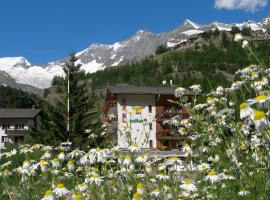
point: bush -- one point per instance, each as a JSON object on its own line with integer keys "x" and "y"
{"x": 161, "y": 49}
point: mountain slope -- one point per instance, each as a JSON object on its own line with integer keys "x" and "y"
{"x": 101, "y": 56}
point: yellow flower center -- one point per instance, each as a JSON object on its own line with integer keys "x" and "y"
{"x": 261, "y": 97}
{"x": 209, "y": 98}
{"x": 212, "y": 173}
{"x": 186, "y": 145}
{"x": 140, "y": 186}
{"x": 137, "y": 195}
{"x": 78, "y": 197}
{"x": 157, "y": 190}
{"x": 253, "y": 73}
{"x": 243, "y": 105}
{"x": 188, "y": 181}
{"x": 61, "y": 185}
{"x": 264, "y": 79}
{"x": 175, "y": 159}
{"x": 48, "y": 193}
{"x": 70, "y": 162}
{"x": 258, "y": 115}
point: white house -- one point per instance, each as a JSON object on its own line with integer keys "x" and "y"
{"x": 14, "y": 124}
{"x": 139, "y": 113}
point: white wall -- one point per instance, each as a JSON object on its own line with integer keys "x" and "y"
{"x": 136, "y": 123}
{"x": 12, "y": 123}
{"x": 2, "y": 133}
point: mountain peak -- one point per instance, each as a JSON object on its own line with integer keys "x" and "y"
{"x": 189, "y": 23}
{"x": 266, "y": 21}
{"x": 15, "y": 62}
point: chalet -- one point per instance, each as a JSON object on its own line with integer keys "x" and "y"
{"x": 14, "y": 124}
{"x": 137, "y": 115}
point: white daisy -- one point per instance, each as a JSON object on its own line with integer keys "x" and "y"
{"x": 162, "y": 176}
{"x": 243, "y": 192}
{"x": 127, "y": 160}
{"x": 70, "y": 165}
{"x": 137, "y": 196}
{"x": 47, "y": 155}
{"x": 238, "y": 37}
{"x": 134, "y": 148}
{"x": 179, "y": 92}
{"x": 155, "y": 193}
{"x": 196, "y": 88}
{"x": 245, "y": 43}
{"x": 203, "y": 167}
{"x": 188, "y": 186}
{"x": 61, "y": 156}
{"x": 94, "y": 179}
{"x": 55, "y": 163}
{"x": 140, "y": 188}
{"x": 245, "y": 110}
{"x": 213, "y": 177}
{"x": 48, "y": 195}
{"x": 60, "y": 190}
{"x": 259, "y": 119}
{"x": 44, "y": 165}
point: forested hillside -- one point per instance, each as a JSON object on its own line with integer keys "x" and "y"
{"x": 14, "y": 98}
{"x": 209, "y": 61}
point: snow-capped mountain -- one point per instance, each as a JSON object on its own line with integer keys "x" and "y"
{"x": 100, "y": 56}
{"x": 23, "y": 72}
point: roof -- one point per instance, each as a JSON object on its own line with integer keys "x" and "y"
{"x": 127, "y": 89}
{"x": 18, "y": 113}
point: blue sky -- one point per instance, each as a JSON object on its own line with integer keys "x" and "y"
{"x": 47, "y": 30}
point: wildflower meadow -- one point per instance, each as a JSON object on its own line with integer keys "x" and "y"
{"x": 226, "y": 154}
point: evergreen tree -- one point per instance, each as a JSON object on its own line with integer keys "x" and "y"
{"x": 83, "y": 115}
{"x": 246, "y": 31}
{"x": 161, "y": 49}
{"x": 235, "y": 30}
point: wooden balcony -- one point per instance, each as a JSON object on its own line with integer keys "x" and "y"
{"x": 168, "y": 115}
{"x": 16, "y": 132}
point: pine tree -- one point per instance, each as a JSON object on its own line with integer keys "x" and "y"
{"x": 83, "y": 114}
{"x": 84, "y": 119}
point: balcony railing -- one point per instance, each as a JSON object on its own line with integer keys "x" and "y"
{"x": 17, "y": 132}
{"x": 168, "y": 115}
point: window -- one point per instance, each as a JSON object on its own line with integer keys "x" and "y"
{"x": 124, "y": 117}
{"x": 151, "y": 143}
{"x": 4, "y": 139}
{"x": 150, "y": 108}
{"x": 19, "y": 126}
{"x": 5, "y": 126}
{"x": 150, "y": 126}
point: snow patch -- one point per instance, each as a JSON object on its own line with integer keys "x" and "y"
{"x": 92, "y": 66}
{"x": 116, "y": 63}
{"x": 171, "y": 44}
{"x": 192, "y": 24}
{"x": 192, "y": 32}
{"x": 81, "y": 52}
{"x": 113, "y": 56}
{"x": 13, "y": 61}
{"x": 116, "y": 46}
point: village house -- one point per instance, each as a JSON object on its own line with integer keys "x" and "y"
{"x": 14, "y": 124}
{"x": 136, "y": 115}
